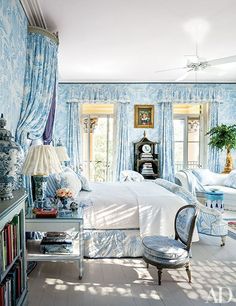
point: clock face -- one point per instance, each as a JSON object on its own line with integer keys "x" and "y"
{"x": 146, "y": 148}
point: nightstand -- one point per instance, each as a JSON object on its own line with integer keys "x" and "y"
{"x": 72, "y": 222}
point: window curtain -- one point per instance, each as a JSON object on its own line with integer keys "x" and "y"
{"x": 74, "y": 135}
{"x": 213, "y": 153}
{"x": 48, "y": 131}
{"x": 122, "y": 139}
{"x": 41, "y": 69}
{"x": 166, "y": 139}
{"x": 40, "y": 75}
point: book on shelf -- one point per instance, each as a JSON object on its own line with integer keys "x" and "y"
{"x": 10, "y": 243}
{"x": 13, "y": 285}
{"x": 147, "y": 169}
{"x": 146, "y": 156}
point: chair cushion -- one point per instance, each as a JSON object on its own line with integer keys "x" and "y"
{"x": 164, "y": 248}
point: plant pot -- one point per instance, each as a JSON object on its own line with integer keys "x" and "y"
{"x": 229, "y": 162}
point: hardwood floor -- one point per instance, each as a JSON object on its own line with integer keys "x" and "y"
{"x": 117, "y": 282}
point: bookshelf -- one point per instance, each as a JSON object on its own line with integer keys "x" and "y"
{"x": 13, "y": 279}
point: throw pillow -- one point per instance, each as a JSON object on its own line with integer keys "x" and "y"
{"x": 131, "y": 176}
{"x": 207, "y": 177}
{"x": 84, "y": 182}
{"x": 230, "y": 181}
{"x": 69, "y": 179}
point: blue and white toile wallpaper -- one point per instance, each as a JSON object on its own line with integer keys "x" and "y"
{"x": 13, "y": 35}
{"x": 139, "y": 93}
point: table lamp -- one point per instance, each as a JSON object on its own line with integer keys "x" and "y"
{"x": 61, "y": 153}
{"x": 41, "y": 160}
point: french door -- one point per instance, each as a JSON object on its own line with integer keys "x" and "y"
{"x": 98, "y": 147}
{"x": 187, "y": 141}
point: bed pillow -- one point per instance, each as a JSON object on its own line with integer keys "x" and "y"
{"x": 84, "y": 182}
{"x": 131, "y": 176}
{"x": 69, "y": 179}
{"x": 53, "y": 183}
{"x": 230, "y": 181}
{"x": 206, "y": 177}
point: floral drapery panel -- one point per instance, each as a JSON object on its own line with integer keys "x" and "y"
{"x": 41, "y": 69}
{"x": 40, "y": 75}
{"x": 213, "y": 153}
{"x": 74, "y": 135}
{"x": 166, "y": 139}
{"x": 122, "y": 139}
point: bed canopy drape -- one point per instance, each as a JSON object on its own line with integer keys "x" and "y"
{"x": 40, "y": 75}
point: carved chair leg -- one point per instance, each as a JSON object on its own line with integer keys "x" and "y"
{"x": 147, "y": 265}
{"x": 159, "y": 276}
{"x": 223, "y": 239}
{"x": 188, "y": 273}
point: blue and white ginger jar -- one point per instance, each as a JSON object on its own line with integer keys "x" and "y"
{"x": 10, "y": 161}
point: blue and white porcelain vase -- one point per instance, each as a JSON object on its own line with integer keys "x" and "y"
{"x": 10, "y": 155}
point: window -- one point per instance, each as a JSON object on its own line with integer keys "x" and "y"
{"x": 97, "y": 120}
{"x": 188, "y": 133}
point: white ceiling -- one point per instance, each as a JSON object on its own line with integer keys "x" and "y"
{"x": 128, "y": 40}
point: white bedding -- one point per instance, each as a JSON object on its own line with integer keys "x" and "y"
{"x": 127, "y": 205}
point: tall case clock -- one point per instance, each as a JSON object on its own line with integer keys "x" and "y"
{"x": 146, "y": 158}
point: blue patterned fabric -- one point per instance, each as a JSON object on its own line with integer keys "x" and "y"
{"x": 40, "y": 74}
{"x": 52, "y": 185}
{"x": 178, "y": 190}
{"x": 122, "y": 139}
{"x": 210, "y": 222}
{"x": 169, "y": 262}
{"x": 184, "y": 221}
{"x": 74, "y": 143}
{"x": 41, "y": 69}
{"x": 164, "y": 247}
{"x": 112, "y": 243}
{"x": 213, "y": 153}
{"x": 230, "y": 181}
{"x": 13, "y": 36}
{"x": 166, "y": 141}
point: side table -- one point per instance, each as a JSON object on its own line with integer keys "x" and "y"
{"x": 63, "y": 222}
{"x": 214, "y": 199}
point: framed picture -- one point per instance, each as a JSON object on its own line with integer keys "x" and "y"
{"x": 144, "y": 116}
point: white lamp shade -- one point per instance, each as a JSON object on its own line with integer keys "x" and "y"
{"x": 41, "y": 160}
{"x": 62, "y": 154}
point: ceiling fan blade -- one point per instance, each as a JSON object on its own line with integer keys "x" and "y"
{"x": 223, "y": 60}
{"x": 182, "y": 77}
{"x": 171, "y": 69}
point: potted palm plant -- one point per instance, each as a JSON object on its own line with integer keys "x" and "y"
{"x": 224, "y": 137}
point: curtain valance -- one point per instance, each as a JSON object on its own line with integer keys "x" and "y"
{"x": 91, "y": 93}
{"x": 155, "y": 93}
{"x": 190, "y": 94}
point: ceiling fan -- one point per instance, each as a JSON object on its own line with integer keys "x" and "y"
{"x": 199, "y": 64}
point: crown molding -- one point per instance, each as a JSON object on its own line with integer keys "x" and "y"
{"x": 34, "y": 13}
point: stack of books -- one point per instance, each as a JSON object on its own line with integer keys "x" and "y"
{"x": 56, "y": 243}
{"x": 146, "y": 156}
{"x": 147, "y": 169}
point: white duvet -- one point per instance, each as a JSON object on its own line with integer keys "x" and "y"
{"x": 130, "y": 205}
